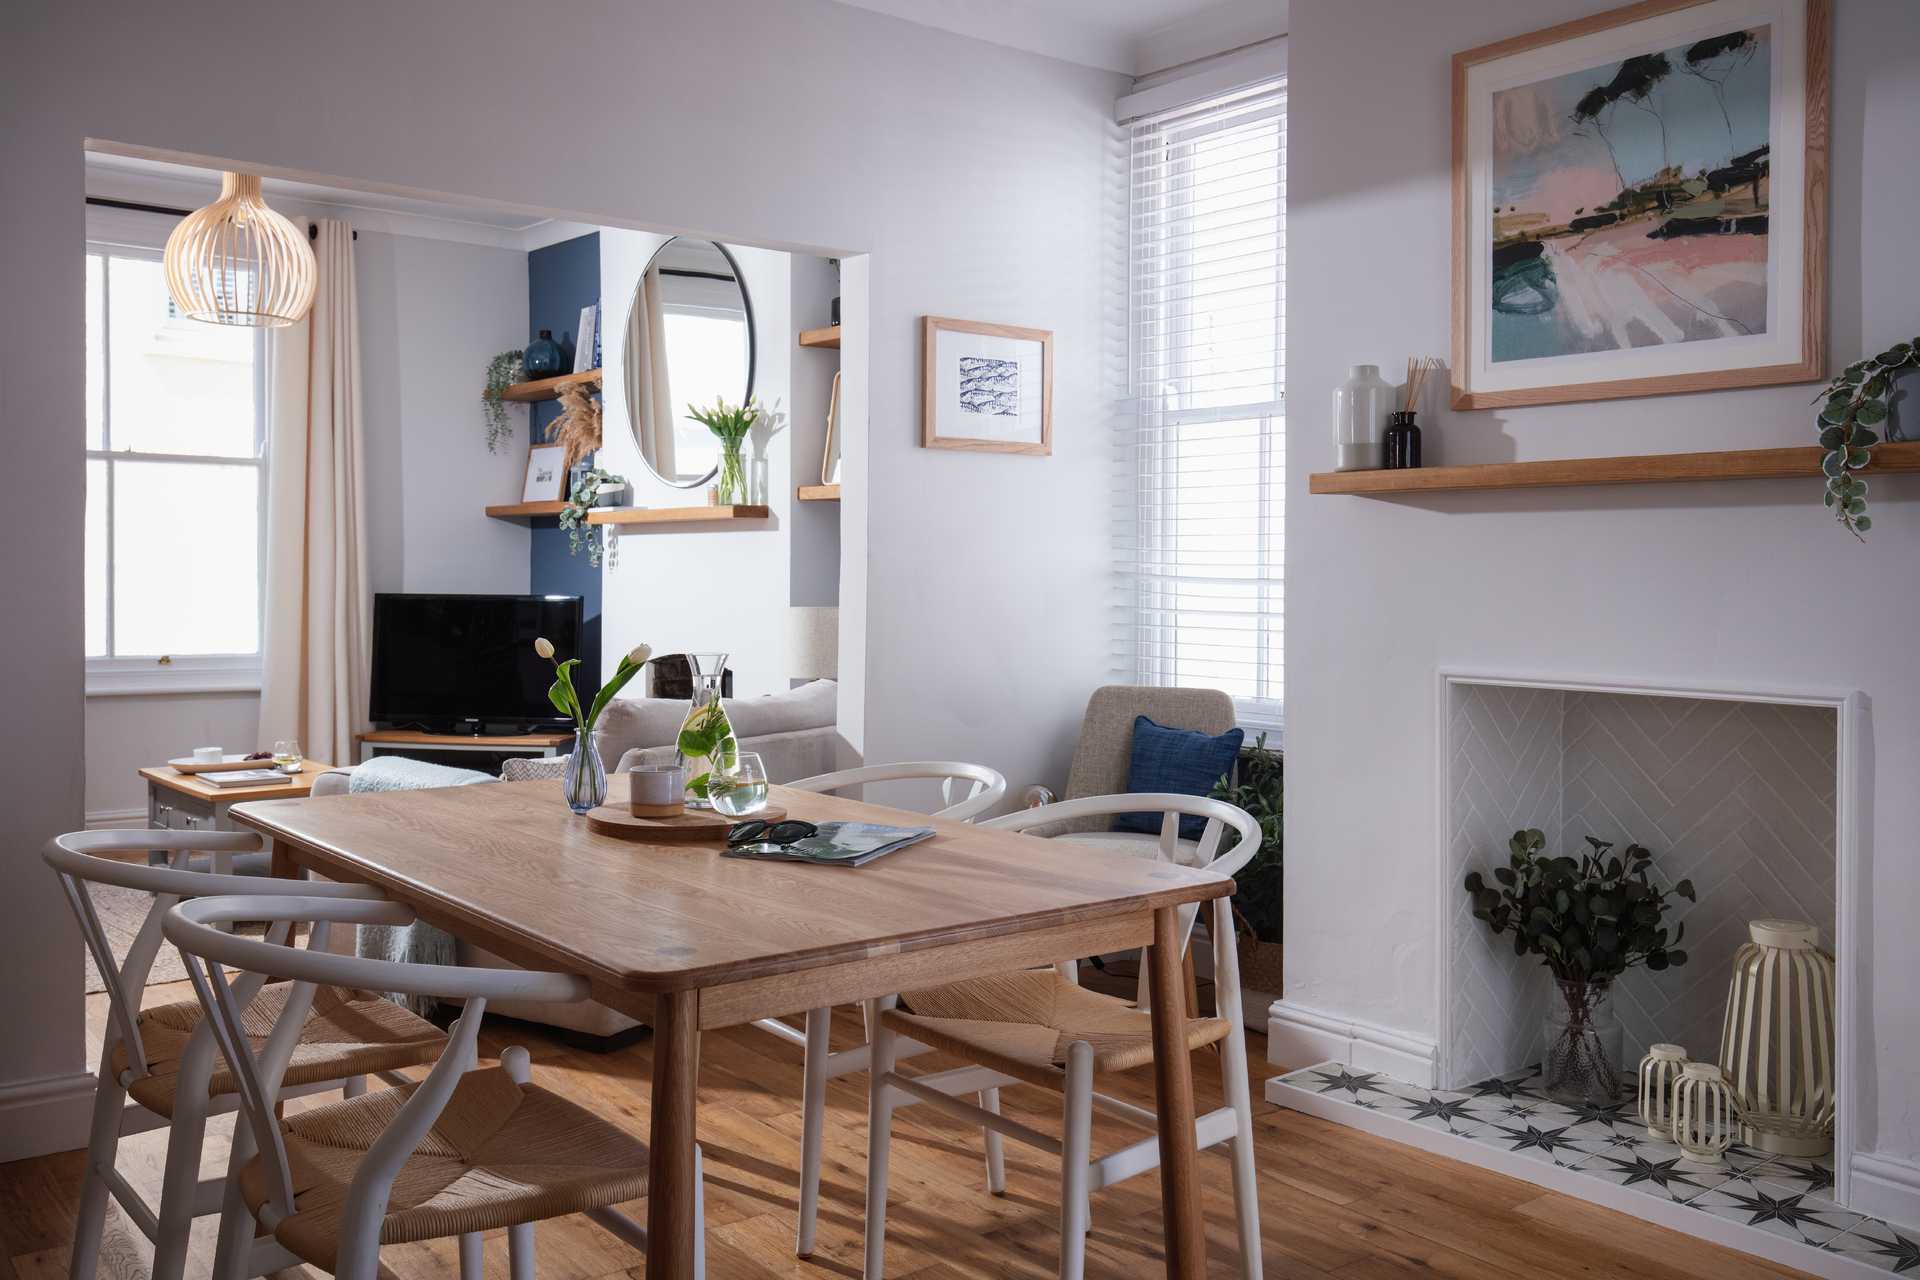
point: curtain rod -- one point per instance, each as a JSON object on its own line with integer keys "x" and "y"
{"x": 134, "y": 206}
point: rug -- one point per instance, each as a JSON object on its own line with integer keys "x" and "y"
{"x": 122, "y": 912}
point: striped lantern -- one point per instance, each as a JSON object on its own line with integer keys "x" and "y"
{"x": 1704, "y": 1118}
{"x": 1658, "y": 1071}
{"x": 238, "y": 262}
{"x": 1777, "y": 1047}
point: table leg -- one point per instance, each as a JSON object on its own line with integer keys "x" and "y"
{"x": 283, "y": 865}
{"x": 672, "y": 1182}
{"x": 1173, "y": 1083}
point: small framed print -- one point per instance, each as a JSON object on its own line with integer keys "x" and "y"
{"x": 986, "y": 387}
{"x": 546, "y": 474}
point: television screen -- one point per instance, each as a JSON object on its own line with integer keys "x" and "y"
{"x": 442, "y": 659}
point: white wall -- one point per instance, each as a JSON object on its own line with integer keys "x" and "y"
{"x": 698, "y": 589}
{"x": 1738, "y": 583}
{"x": 814, "y": 540}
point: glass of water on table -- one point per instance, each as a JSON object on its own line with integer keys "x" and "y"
{"x": 739, "y": 789}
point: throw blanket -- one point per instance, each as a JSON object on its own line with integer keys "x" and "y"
{"x": 412, "y": 943}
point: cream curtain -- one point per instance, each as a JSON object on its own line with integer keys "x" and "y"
{"x": 316, "y": 636}
{"x": 649, "y": 394}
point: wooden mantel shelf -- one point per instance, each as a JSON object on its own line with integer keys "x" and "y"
{"x": 526, "y": 512}
{"x": 819, "y": 493}
{"x": 1657, "y": 468}
{"x": 627, "y": 516}
{"x": 549, "y": 388}
{"x": 828, "y": 337}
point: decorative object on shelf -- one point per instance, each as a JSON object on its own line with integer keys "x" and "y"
{"x": 1403, "y": 437}
{"x": 1856, "y": 403}
{"x": 503, "y": 371}
{"x": 577, "y": 429}
{"x": 546, "y": 474}
{"x": 706, "y": 740}
{"x": 729, "y": 425}
{"x": 543, "y": 357}
{"x": 585, "y": 782}
{"x": 586, "y": 339}
{"x": 656, "y": 791}
{"x": 1777, "y": 1045}
{"x": 829, "y": 451}
{"x": 1589, "y": 920}
{"x": 1705, "y": 1113}
{"x": 238, "y": 262}
{"x": 1616, "y": 231}
{"x": 1360, "y": 407}
{"x": 586, "y": 494}
{"x": 1659, "y": 1070}
{"x": 1258, "y": 786}
{"x": 689, "y": 339}
{"x": 985, "y": 387}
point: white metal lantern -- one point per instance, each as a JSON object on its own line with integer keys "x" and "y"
{"x": 1777, "y": 1047}
{"x": 1658, "y": 1072}
{"x": 1704, "y": 1112}
{"x": 238, "y": 262}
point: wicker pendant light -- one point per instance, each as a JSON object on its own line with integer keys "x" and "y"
{"x": 238, "y": 262}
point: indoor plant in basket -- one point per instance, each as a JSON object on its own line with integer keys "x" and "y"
{"x": 585, "y": 782}
{"x": 1590, "y": 919}
{"x": 1258, "y": 789}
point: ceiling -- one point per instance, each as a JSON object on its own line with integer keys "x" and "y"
{"x": 1133, "y": 37}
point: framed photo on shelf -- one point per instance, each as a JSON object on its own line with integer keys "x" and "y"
{"x": 1639, "y": 204}
{"x": 546, "y": 474}
{"x": 986, "y": 387}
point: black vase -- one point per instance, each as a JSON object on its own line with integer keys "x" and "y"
{"x": 542, "y": 357}
{"x": 1402, "y": 442}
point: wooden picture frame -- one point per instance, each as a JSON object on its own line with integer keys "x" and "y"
{"x": 979, "y": 384}
{"x": 1583, "y": 338}
{"x": 546, "y": 474}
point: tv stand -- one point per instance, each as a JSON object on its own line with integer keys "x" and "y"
{"x": 468, "y": 750}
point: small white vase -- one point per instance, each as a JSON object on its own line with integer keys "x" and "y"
{"x": 1360, "y": 408}
{"x": 1704, "y": 1115}
{"x": 1658, "y": 1072}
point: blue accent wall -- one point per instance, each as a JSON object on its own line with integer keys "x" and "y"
{"x": 561, "y": 279}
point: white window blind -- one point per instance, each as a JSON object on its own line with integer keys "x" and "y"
{"x": 1203, "y": 447}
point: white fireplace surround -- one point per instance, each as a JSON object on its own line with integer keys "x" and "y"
{"x": 1455, "y": 687}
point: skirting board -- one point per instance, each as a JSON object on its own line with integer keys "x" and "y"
{"x": 1886, "y": 1187}
{"x": 117, "y": 819}
{"x": 1298, "y": 1036}
{"x": 47, "y": 1114}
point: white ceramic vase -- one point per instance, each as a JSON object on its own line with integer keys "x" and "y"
{"x": 1659, "y": 1071}
{"x": 1360, "y": 408}
{"x": 1777, "y": 1045}
{"x": 1704, "y": 1114}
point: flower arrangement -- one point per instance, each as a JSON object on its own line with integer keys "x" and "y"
{"x": 730, "y": 425}
{"x": 585, "y": 781}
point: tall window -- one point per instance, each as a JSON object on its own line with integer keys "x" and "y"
{"x": 1204, "y": 446}
{"x": 175, "y": 486}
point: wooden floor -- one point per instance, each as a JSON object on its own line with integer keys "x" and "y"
{"x": 1334, "y": 1202}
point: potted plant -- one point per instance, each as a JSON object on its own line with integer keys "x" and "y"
{"x": 503, "y": 371}
{"x": 730, "y": 425}
{"x": 585, "y": 783}
{"x": 1590, "y": 919}
{"x": 1259, "y": 790}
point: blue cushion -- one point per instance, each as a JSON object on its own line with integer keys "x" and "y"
{"x": 1182, "y": 761}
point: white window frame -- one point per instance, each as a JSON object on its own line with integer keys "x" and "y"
{"x": 115, "y": 233}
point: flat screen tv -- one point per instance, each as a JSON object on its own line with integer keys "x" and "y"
{"x": 459, "y": 661}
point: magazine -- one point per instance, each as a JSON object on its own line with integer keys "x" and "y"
{"x": 838, "y": 844}
{"x": 244, "y": 778}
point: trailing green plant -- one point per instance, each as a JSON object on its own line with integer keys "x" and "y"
{"x": 503, "y": 371}
{"x": 730, "y": 425}
{"x": 1258, "y": 787}
{"x": 573, "y": 516}
{"x": 1589, "y": 918}
{"x": 1856, "y": 403}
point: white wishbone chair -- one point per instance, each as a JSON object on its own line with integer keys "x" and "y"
{"x": 466, "y": 1150}
{"x": 160, "y": 1066}
{"x": 1041, "y": 1027}
{"x": 984, "y": 787}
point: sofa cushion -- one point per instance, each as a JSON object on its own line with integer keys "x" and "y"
{"x": 629, "y": 724}
{"x": 1179, "y": 761}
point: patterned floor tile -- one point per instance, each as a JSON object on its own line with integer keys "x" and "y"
{"x": 1352, "y": 1086}
{"x": 1445, "y": 1110}
{"x": 1541, "y": 1140}
{"x": 1879, "y": 1245}
{"x": 1648, "y": 1169}
{"x": 1778, "y": 1208}
{"x": 1813, "y": 1177}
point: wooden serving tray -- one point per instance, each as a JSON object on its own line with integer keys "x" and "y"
{"x": 187, "y": 764}
{"x": 695, "y": 826}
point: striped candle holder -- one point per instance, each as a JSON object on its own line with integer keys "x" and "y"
{"x": 1777, "y": 1047}
{"x": 1704, "y": 1113}
{"x": 1658, "y": 1072}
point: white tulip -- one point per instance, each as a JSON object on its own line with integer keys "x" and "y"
{"x": 544, "y": 647}
{"x": 640, "y": 654}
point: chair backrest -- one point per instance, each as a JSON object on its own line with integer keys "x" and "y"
{"x": 670, "y": 675}
{"x": 197, "y": 929}
{"x": 529, "y": 768}
{"x": 1104, "y": 754}
{"x": 83, "y": 858}
{"x": 984, "y": 786}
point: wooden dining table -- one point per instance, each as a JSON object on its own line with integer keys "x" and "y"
{"x": 687, "y": 940}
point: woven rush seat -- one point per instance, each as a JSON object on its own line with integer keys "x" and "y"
{"x": 348, "y": 1033}
{"x": 500, "y": 1154}
{"x": 1023, "y": 1023}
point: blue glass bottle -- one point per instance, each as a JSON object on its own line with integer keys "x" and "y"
{"x": 543, "y": 357}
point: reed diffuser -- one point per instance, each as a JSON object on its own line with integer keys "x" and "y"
{"x": 1403, "y": 437}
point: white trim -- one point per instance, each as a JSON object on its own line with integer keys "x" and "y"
{"x": 45, "y": 1114}
{"x": 1298, "y": 1035}
{"x": 1224, "y": 74}
{"x": 1848, "y": 706}
{"x": 117, "y": 819}
{"x": 124, "y": 677}
{"x": 1886, "y": 1187}
{"x": 1223, "y": 27}
{"x": 1655, "y": 1209}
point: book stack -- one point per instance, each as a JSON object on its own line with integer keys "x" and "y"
{"x": 245, "y": 778}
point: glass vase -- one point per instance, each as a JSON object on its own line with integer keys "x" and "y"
{"x": 585, "y": 783}
{"x": 706, "y": 740}
{"x": 1581, "y": 1063}
{"x": 731, "y": 485}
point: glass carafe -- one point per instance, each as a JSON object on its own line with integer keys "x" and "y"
{"x": 706, "y": 739}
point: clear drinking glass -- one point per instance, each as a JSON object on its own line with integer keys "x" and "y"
{"x": 286, "y": 755}
{"x": 739, "y": 790}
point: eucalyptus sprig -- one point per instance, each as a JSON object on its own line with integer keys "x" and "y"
{"x": 503, "y": 371}
{"x": 573, "y": 516}
{"x": 1856, "y": 403}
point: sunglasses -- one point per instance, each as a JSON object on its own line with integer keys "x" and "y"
{"x": 759, "y": 831}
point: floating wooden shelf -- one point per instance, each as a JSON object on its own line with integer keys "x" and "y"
{"x": 526, "y": 512}
{"x": 548, "y": 388}
{"x": 675, "y": 515}
{"x": 819, "y": 493}
{"x": 827, "y": 337}
{"x": 1656, "y": 468}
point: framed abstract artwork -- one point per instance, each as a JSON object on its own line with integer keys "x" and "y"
{"x": 1639, "y": 204}
{"x": 986, "y": 387}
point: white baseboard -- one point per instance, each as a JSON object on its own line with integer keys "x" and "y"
{"x": 1886, "y": 1187}
{"x": 1298, "y": 1036}
{"x": 116, "y": 819}
{"x": 46, "y": 1114}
